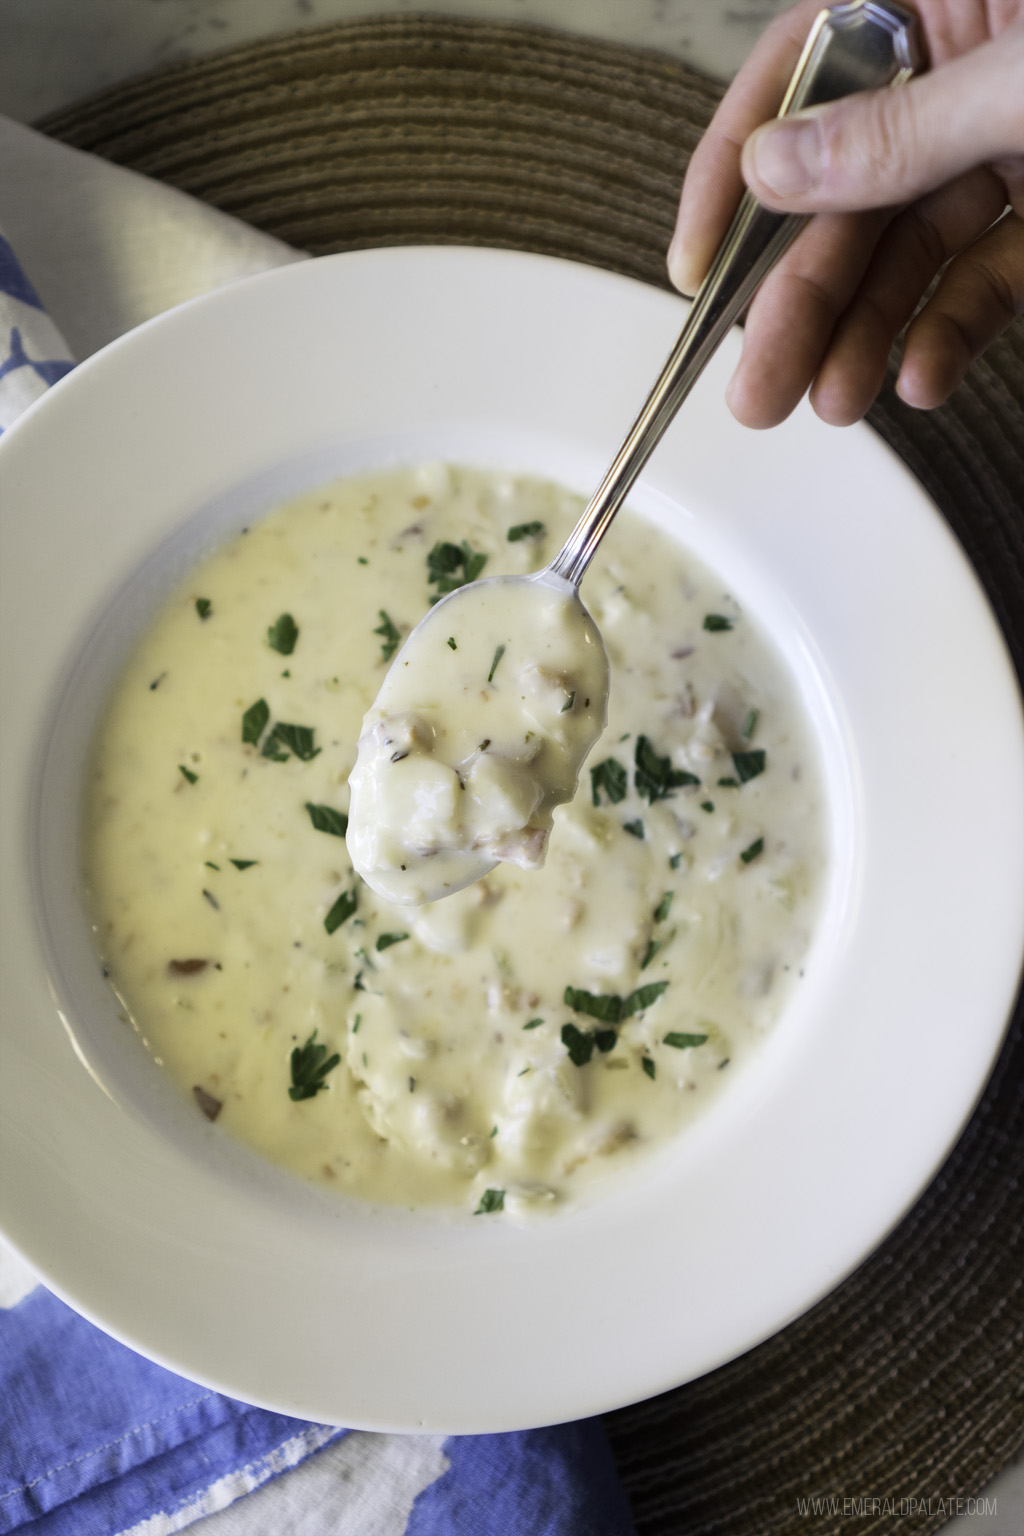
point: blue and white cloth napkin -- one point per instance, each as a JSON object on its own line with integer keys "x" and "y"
{"x": 94, "y": 1439}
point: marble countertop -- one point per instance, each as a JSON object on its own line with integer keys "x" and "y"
{"x": 57, "y": 51}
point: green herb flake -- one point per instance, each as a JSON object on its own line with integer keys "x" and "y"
{"x": 612, "y": 778}
{"x": 664, "y": 907}
{"x": 634, "y": 828}
{"x": 653, "y": 776}
{"x": 451, "y": 643}
{"x": 387, "y": 939}
{"x": 649, "y": 953}
{"x": 728, "y": 783}
{"x": 749, "y": 764}
{"x": 310, "y": 1068}
{"x": 211, "y": 865}
{"x": 490, "y": 1200}
{"x": 285, "y": 739}
{"x": 342, "y": 910}
{"x": 716, "y": 621}
{"x": 282, "y": 634}
{"x": 355, "y": 1026}
{"x": 606, "y": 1006}
{"x": 254, "y": 721}
{"x": 707, "y": 805}
{"x": 204, "y": 607}
{"x": 570, "y": 701}
{"x": 675, "y": 860}
{"x": 391, "y": 638}
{"x": 450, "y": 566}
{"x": 605, "y": 1039}
{"x": 750, "y": 724}
{"x": 193, "y": 778}
{"x": 524, "y": 531}
{"x": 243, "y": 863}
{"x": 499, "y": 652}
{"x": 326, "y": 819}
{"x": 649, "y": 1067}
{"x": 580, "y": 1045}
{"x": 750, "y": 854}
{"x": 362, "y": 560}
{"x": 682, "y": 1041}
{"x": 533, "y": 1024}
{"x": 642, "y": 998}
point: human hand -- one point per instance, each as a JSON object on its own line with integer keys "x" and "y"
{"x": 903, "y": 181}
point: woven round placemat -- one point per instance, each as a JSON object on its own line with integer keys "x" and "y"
{"x": 904, "y": 1389}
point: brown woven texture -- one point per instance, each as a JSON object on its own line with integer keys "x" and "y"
{"x": 906, "y": 1383}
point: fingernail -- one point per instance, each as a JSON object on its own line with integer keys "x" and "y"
{"x": 786, "y": 156}
{"x": 682, "y": 271}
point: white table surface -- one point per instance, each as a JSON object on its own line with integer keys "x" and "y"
{"x": 53, "y": 53}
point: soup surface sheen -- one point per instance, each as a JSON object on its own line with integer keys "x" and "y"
{"x": 498, "y": 1050}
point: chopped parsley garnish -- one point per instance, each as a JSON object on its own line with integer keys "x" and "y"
{"x": 254, "y": 721}
{"x": 707, "y": 805}
{"x": 570, "y": 701}
{"x": 749, "y": 764}
{"x": 750, "y": 725}
{"x": 243, "y": 863}
{"x": 634, "y": 828}
{"x": 342, "y": 910}
{"x": 716, "y": 621}
{"x": 675, "y": 860}
{"x": 683, "y": 1041}
{"x": 285, "y": 739}
{"x": 451, "y": 642}
{"x": 649, "y": 1067}
{"x": 282, "y": 634}
{"x": 326, "y": 819}
{"x": 499, "y": 652}
{"x": 664, "y": 907}
{"x": 579, "y": 1045}
{"x": 391, "y": 637}
{"x": 728, "y": 783}
{"x": 355, "y": 1026}
{"x": 211, "y": 898}
{"x": 642, "y": 998}
{"x": 611, "y": 777}
{"x": 524, "y": 531}
{"x": 203, "y": 607}
{"x": 362, "y": 560}
{"x": 654, "y": 776}
{"x": 606, "y": 1006}
{"x": 652, "y": 949}
{"x": 387, "y": 939}
{"x": 211, "y": 865}
{"x": 309, "y": 1068}
{"x": 193, "y": 778}
{"x": 490, "y": 1200}
{"x": 533, "y": 1023}
{"x": 749, "y": 854}
{"x": 450, "y": 566}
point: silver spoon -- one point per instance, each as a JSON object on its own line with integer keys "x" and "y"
{"x": 854, "y": 47}
{"x": 421, "y": 752}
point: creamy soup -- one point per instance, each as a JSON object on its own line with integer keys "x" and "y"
{"x": 478, "y": 733}
{"x": 499, "y": 1050}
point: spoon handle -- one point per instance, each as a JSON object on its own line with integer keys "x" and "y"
{"x": 857, "y": 46}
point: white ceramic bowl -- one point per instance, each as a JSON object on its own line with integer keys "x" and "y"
{"x": 193, "y": 1251}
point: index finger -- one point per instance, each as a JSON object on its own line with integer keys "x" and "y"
{"x": 714, "y": 184}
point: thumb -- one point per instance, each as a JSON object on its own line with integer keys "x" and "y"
{"x": 887, "y": 147}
